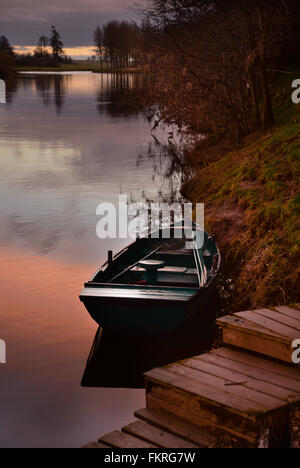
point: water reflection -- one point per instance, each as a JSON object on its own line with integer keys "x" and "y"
{"x": 113, "y": 93}
{"x": 68, "y": 142}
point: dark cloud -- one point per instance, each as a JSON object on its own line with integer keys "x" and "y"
{"x": 24, "y": 21}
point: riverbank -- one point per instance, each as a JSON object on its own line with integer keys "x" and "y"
{"x": 88, "y": 67}
{"x": 251, "y": 192}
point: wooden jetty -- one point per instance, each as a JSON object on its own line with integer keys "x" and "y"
{"x": 244, "y": 394}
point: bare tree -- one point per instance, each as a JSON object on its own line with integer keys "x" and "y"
{"x": 209, "y": 62}
{"x": 99, "y": 45}
{"x": 43, "y": 43}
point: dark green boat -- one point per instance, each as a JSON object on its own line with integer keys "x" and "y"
{"x": 156, "y": 284}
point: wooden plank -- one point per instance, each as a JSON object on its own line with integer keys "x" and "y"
{"x": 261, "y": 363}
{"x": 276, "y": 327}
{"x": 157, "y": 436}
{"x": 96, "y": 445}
{"x": 238, "y": 378}
{"x": 259, "y": 344}
{"x": 248, "y": 369}
{"x": 119, "y": 439}
{"x": 281, "y": 318}
{"x": 238, "y": 323}
{"x": 177, "y": 426}
{"x": 220, "y": 417}
{"x": 269, "y": 402}
{"x": 188, "y": 410}
{"x": 289, "y": 312}
{"x": 213, "y": 396}
{"x": 295, "y": 428}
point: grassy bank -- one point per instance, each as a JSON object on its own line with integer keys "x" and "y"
{"x": 252, "y": 202}
{"x": 83, "y": 67}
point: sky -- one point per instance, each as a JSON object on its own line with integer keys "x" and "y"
{"x": 24, "y": 21}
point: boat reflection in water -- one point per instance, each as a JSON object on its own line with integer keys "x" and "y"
{"x": 155, "y": 302}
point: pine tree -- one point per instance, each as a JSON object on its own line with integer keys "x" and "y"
{"x": 5, "y": 46}
{"x": 56, "y": 44}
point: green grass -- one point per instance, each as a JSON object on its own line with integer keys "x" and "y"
{"x": 252, "y": 198}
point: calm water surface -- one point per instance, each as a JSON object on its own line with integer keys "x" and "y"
{"x": 67, "y": 143}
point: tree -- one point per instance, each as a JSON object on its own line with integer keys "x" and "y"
{"x": 6, "y": 65}
{"x": 43, "y": 43}
{"x": 56, "y": 44}
{"x": 6, "y": 47}
{"x": 99, "y": 44}
{"x": 120, "y": 41}
{"x": 209, "y": 62}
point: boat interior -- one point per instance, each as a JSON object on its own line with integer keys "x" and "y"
{"x": 159, "y": 262}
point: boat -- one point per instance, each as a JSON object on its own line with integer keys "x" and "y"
{"x": 158, "y": 285}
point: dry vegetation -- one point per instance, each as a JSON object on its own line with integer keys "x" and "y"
{"x": 222, "y": 70}
{"x": 252, "y": 201}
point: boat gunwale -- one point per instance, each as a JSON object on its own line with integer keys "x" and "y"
{"x": 95, "y": 285}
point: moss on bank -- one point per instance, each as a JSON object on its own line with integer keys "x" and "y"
{"x": 252, "y": 202}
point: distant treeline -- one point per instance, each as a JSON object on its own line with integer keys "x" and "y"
{"x": 6, "y": 58}
{"x": 48, "y": 53}
{"x": 117, "y": 44}
{"x": 210, "y": 64}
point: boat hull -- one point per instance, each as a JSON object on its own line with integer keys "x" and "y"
{"x": 119, "y": 357}
{"x": 146, "y": 314}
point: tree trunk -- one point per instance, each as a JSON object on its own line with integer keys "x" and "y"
{"x": 268, "y": 116}
{"x": 255, "y": 99}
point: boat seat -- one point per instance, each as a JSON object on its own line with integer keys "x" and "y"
{"x": 169, "y": 275}
{"x": 152, "y": 267}
{"x": 165, "y": 269}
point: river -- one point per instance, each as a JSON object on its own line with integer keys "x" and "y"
{"x": 67, "y": 143}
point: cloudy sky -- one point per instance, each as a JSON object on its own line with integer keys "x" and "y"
{"x": 24, "y": 21}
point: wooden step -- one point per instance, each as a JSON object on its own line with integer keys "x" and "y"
{"x": 118, "y": 439}
{"x": 202, "y": 437}
{"x": 157, "y": 436}
{"x": 232, "y": 395}
{"x": 264, "y": 331}
{"x": 96, "y": 445}
{"x": 178, "y": 427}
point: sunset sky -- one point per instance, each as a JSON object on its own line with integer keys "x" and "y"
{"x": 24, "y": 21}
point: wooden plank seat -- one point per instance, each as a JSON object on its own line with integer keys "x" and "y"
{"x": 181, "y": 276}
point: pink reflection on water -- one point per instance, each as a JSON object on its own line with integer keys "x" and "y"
{"x": 48, "y": 335}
